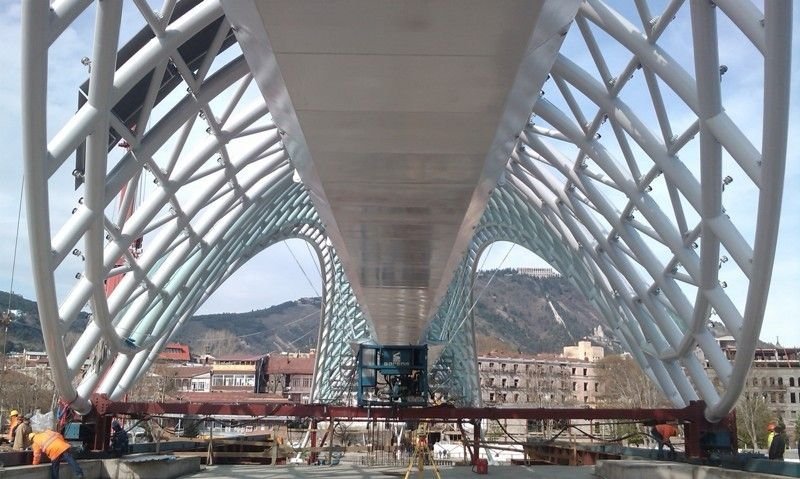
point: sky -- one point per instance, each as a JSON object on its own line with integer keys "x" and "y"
{"x": 289, "y": 269}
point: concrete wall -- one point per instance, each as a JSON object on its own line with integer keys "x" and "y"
{"x": 91, "y": 469}
{"x": 142, "y": 467}
{"x": 671, "y": 470}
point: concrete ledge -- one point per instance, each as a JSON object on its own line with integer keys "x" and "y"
{"x": 149, "y": 466}
{"x": 91, "y": 469}
{"x": 671, "y": 470}
{"x": 131, "y": 467}
{"x": 784, "y": 468}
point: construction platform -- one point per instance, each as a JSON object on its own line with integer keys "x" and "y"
{"x": 603, "y": 470}
{"x": 189, "y": 468}
{"x": 352, "y": 471}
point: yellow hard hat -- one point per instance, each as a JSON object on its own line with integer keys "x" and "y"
{"x": 30, "y": 436}
{"x": 13, "y": 413}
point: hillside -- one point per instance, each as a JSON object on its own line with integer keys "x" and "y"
{"x": 515, "y": 314}
{"x": 523, "y": 314}
{"x": 26, "y": 332}
{"x": 283, "y": 327}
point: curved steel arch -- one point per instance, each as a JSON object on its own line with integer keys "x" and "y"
{"x": 649, "y": 260}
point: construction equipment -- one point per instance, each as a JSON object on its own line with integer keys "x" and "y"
{"x": 422, "y": 453}
{"x": 392, "y": 375}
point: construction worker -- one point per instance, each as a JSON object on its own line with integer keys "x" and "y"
{"x": 119, "y": 439}
{"x": 662, "y": 434}
{"x": 13, "y": 422}
{"x": 56, "y": 448}
{"x": 21, "y": 441}
{"x": 778, "y": 444}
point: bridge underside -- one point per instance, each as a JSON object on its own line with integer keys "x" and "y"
{"x": 409, "y": 107}
{"x": 400, "y": 143}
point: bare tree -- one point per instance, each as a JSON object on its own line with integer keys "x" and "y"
{"x": 26, "y": 391}
{"x": 752, "y": 417}
{"x": 622, "y": 384}
{"x": 156, "y": 386}
{"x": 548, "y": 385}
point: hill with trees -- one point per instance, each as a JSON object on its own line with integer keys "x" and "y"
{"x": 515, "y": 314}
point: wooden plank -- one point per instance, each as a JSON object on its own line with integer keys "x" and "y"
{"x": 189, "y": 453}
{"x": 244, "y": 443}
{"x": 235, "y": 442}
{"x": 262, "y": 454}
{"x": 323, "y": 449}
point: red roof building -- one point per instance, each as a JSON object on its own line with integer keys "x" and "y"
{"x": 290, "y": 365}
{"x": 175, "y": 353}
{"x": 289, "y": 375}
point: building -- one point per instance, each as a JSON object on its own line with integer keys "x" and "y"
{"x": 569, "y": 379}
{"x": 539, "y": 272}
{"x": 523, "y": 381}
{"x": 28, "y": 359}
{"x": 545, "y": 380}
{"x": 236, "y": 372}
{"x": 273, "y": 377}
{"x": 175, "y": 353}
{"x": 584, "y": 351}
{"x": 191, "y": 378}
{"x": 774, "y": 378}
{"x": 289, "y": 375}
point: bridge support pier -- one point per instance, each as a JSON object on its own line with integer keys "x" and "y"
{"x": 476, "y": 442}
{"x": 703, "y": 438}
{"x": 102, "y": 432}
{"x": 312, "y": 456}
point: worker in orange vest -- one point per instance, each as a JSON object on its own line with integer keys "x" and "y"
{"x": 13, "y": 422}
{"x": 56, "y": 448}
{"x": 662, "y": 434}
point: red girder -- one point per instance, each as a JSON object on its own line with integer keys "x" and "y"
{"x": 693, "y": 412}
{"x": 691, "y": 416}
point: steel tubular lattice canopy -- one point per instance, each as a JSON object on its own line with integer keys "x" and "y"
{"x": 400, "y": 141}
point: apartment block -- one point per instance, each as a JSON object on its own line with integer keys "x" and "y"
{"x": 569, "y": 379}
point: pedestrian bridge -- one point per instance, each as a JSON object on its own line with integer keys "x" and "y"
{"x": 400, "y": 139}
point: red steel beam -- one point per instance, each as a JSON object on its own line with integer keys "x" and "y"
{"x": 693, "y": 412}
{"x": 696, "y": 426}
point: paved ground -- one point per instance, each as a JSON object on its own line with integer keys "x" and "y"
{"x": 347, "y": 471}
